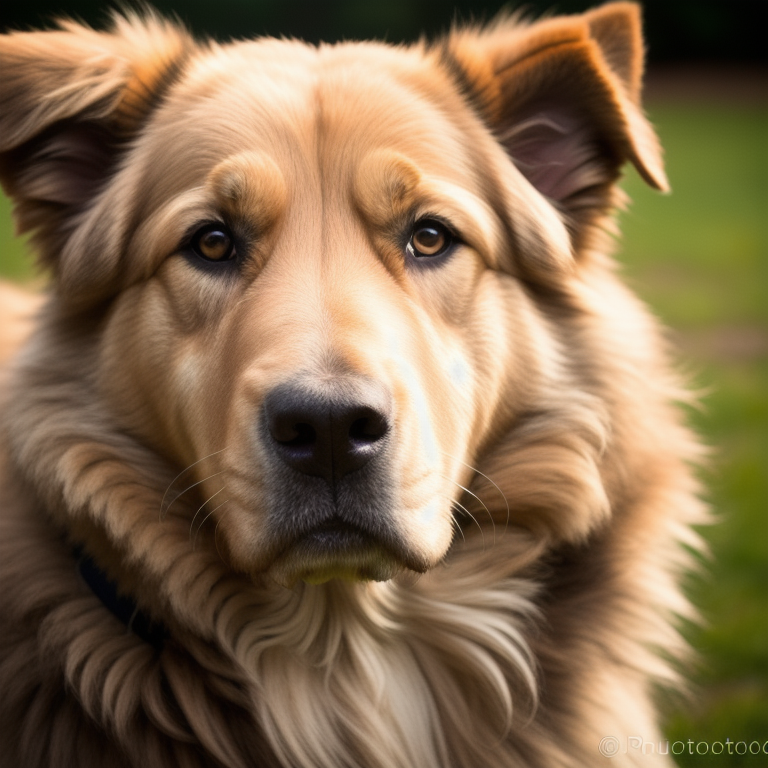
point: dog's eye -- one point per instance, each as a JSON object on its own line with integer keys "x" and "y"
{"x": 429, "y": 238}
{"x": 214, "y": 243}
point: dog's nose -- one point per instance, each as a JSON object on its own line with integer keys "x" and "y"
{"x": 328, "y": 429}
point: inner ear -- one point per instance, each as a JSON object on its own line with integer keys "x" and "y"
{"x": 569, "y": 125}
{"x": 61, "y": 168}
{"x": 556, "y": 149}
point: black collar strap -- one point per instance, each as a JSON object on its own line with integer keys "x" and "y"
{"x": 123, "y": 607}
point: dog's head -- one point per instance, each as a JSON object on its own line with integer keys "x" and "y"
{"x": 327, "y": 280}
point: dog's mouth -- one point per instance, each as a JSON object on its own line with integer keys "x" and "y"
{"x": 335, "y": 549}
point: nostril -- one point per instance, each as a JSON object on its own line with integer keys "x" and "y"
{"x": 293, "y": 435}
{"x": 368, "y": 429}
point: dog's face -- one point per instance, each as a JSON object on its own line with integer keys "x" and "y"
{"x": 312, "y": 271}
{"x": 325, "y": 313}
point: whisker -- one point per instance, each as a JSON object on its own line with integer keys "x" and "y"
{"x": 216, "y": 534}
{"x": 200, "y": 509}
{"x": 490, "y": 516}
{"x": 466, "y": 490}
{"x": 455, "y": 524}
{"x": 173, "y": 482}
{"x": 188, "y": 488}
{"x": 482, "y": 474}
{"x": 203, "y": 523}
{"x": 480, "y": 527}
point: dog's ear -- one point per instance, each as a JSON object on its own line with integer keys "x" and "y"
{"x": 563, "y": 98}
{"x": 71, "y": 100}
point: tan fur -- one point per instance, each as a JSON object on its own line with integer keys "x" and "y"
{"x": 515, "y": 597}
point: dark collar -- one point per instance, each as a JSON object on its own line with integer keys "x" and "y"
{"x": 122, "y": 606}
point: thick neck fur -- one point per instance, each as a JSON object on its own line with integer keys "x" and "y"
{"x": 379, "y": 675}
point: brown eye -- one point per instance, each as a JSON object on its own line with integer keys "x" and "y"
{"x": 429, "y": 238}
{"x": 214, "y": 243}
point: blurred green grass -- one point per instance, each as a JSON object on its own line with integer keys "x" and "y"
{"x": 15, "y": 263}
{"x": 700, "y": 258}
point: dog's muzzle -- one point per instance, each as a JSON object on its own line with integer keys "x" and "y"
{"x": 330, "y": 438}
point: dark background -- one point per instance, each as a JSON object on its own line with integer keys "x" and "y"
{"x": 700, "y": 31}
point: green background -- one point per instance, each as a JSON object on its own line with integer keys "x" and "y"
{"x": 699, "y": 257}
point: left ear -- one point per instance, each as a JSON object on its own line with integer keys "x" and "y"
{"x": 563, "y": 98}
{"x": 72, "y": 101}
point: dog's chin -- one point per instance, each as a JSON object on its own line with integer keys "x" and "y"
{"x": 334, "y": 552}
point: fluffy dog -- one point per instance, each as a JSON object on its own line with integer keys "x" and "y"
{"x": 338, "y": 442}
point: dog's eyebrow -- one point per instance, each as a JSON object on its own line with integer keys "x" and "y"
{"x": 391, "y": 188}
{"x": 471, "y": 213}
{"x": 250, "y": 180}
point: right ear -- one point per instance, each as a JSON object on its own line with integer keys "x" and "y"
{"x": 562, "y": 97}
{"x": 70, "y": 101}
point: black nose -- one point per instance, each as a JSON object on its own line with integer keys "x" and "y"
{"x": 328, "y": 428}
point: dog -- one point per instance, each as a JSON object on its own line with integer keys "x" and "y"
{"x": 338, "y": 441}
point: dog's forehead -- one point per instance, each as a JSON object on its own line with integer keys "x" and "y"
{"x": 316, "y": 111}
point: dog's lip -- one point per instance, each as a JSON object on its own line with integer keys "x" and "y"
{"x": 336, "y": 549}
{"x": 335, "y": 534}
{"x": 334, "y": 539}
